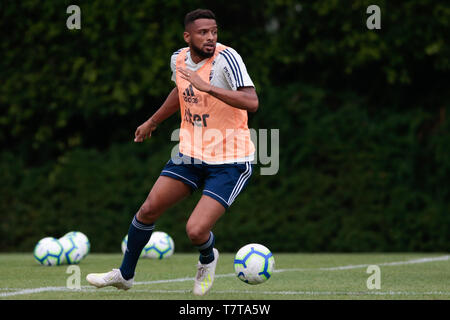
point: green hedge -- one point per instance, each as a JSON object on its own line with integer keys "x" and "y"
{"x": 63, "y": 89}
{"x": 362, "y": 114}
{"x": 350, "y": 182}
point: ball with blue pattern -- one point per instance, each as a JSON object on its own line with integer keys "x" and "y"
{"x": 82, "y": 243}
{"x": 254, "y": 263}
{"x": 160, "y": 246}
{"x": 49, "y": 252}
{"x": 73, "y": 252}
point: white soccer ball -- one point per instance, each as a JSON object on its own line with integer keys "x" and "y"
{"x": 254, "y": 263}
{"x": 159, "y": 246}
{"x": 81, "y": 241}
{"x": 73, "y": 253}
{"x": 49, "y": 252}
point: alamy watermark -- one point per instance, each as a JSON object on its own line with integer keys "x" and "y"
{"x": 269, "y": 161}
{"x": 374, "y": 281}
{"x": 374, "y": 20}
{"x": 213, "y": 143}
{"x": 74, "y": 280}
{"x": 74, "y": 20}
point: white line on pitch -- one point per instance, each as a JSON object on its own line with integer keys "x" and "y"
{"x": 358, "y": 266}
{"x": 85, "y": 288}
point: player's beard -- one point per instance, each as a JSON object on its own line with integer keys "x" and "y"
{"x": 202, "y": 53}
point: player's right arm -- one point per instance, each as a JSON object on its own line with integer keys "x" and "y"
{"x": 168, "y": 108}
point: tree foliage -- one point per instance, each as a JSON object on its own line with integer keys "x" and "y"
{"x": 362, "y": 115}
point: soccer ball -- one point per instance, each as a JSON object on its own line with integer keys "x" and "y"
{"x": 159, "y": 246}
{"x": 49, "y": 252}
{"x": 81, "y": 241}
{"x": 254, "y": 263}
{"x": 73, "y": 253}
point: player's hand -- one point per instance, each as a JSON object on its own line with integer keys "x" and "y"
{"x": 194, "y": 79}
{"x": 144, "y": 131}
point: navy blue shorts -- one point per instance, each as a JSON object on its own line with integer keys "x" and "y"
{"x": 222, "y": 182}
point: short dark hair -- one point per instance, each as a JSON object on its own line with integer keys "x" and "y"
{"x": 198, "y": 14}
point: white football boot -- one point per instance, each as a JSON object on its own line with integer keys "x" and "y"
{"x": 205, "y": 275}
{"x": 113, "y": 278}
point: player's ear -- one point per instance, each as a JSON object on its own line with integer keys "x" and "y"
{"x": 187, "y": 37}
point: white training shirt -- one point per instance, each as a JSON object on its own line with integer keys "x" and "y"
{"x": 228, "y": 70}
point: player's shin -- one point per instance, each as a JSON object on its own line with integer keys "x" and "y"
{"x": 138, "y": 236}
{"x": 206, "y": 250}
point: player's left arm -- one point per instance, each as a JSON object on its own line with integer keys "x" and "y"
{"x": 243, "y": 98}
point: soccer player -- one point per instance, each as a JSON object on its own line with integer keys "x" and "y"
{"x": 213, "y": 93}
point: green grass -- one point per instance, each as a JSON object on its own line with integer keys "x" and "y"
{"x": 298, "y": 276}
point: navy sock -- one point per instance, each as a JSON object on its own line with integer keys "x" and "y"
{"x": 206, "y": 250}
{"x": 138, "y": 236}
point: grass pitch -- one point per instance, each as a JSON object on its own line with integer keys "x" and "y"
{"x": 296, "y": 277}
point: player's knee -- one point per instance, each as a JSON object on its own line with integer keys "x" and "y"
{"x": 148, "y": 212}
{"x": 197, "y": 234}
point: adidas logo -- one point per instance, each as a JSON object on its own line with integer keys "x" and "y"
{"x": 189, "y": 96}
